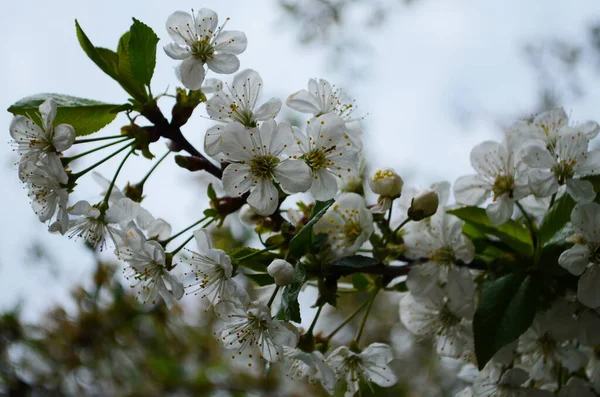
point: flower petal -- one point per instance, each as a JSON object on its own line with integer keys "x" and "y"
{"x": 500, "y": 211}
{"x": 303, "y": 102}
{"x": 588, "y": 291}
{"x": 471, "y": 190}
{"x": 224, "y": 63}
{"x": 203, "y": 240}
{"x": 591, "y": 164}
{"x": 542, "y": 182}
{"x": 263, "y": 197}
{"x": 231, "y": 42}
{"x": 268, "y": 110}
{"x": 64, "y": 136}
{"x": 324, "y": 185}
{"x": 237, "y": 179}
{"x": 178, "y": 25}
{"x": 581, "y": 191}
{"x": 537, "y": 156}
{"x": 586, "y": 219}
{"x": 212, "y": 140}
{"x": 575, "y": 259}
{"x": 48, "y": 112}
{"x": 294, "y": 176}
{"x": 191, "y": 73}
{"x": 175, "y": 51}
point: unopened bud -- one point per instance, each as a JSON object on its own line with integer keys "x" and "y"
{"x": 281, "y": 271}
{"x": 423, "y": 206}
{"x": 386, "y": 182}
{"x": 249, "y": 217}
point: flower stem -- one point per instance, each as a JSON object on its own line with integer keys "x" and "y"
{"x": 272, "y": 298}
{"x": 112, "y": 183}
{"x": 96, "y": 139}
{"x": 253, "y": 254}
{"x": 364, "y": 320}
{"x": 347, "y": 319}
{"x": 314, "y": 321}
{"x": 141, "y": 183}
{"x": 79, "y": 174}
{"x": 400, "y": 226}
{"x": 530, "y": 223}
{"x": 176, "y": 250}
{"x": 67, "y": 160}
{"x": 173, "y": 237}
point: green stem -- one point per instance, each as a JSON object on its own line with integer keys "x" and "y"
{"x": 272, "y": 298}
{"x": 96, "y": 139}
{"x": 314, "y": 321}
{"x": 404, "y": 222}
{"x": 141, "y": 183}
{"x": 176, "y": 250}
{"x": 243, "y": 258}
{"x": 79, "y": 174}
{"x": 347, "y": 319}
{"x": 364, "y": 320}
{"x": 67, "y": 160}
{"x": 530, "y": 223}
{"x": 173, "y": 237}
{"x": 112, "y": 183}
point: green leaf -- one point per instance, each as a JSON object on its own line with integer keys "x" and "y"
{"x": 355, "y": 262}
{"x": 261, "y": 279}
{"x": 258, "y": 263}
{"x": 142, "y": 51}
{"x": 556, "y": 218}
{"x": 126, "y": 77}
{"x": 360, "y": 282}
{"x": 513, "y": 233}
{"x": 289, "y": 297}
{"x": 506, "y": 310}
{"x": 105, "y": 59}
{"x": 302, "y": 241}
{"x": 85, "y": 115}
{"x": 210, "y": 191}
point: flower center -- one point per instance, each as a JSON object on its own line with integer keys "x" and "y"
{"x": 382, "y": 174}
{"x": 351, "y": 231}
{"x": 263, "y": 166}
{"x": 444, "y": 256}
{"x": 503, "y": 185}
{"x": 447, "y": 319}
{"x": 547, "y": 344}
{"x": 564, "y": 170}
{"x": 243, "y": 116}
{"x": 202, "y": 49}
{"x": 317, "y": 159}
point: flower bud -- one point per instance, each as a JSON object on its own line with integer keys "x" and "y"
{"x": 281, "y": 271}
{"x": 386, "y": 182}
{"x": 249, "y": 217}
{"x": 423, "y": 206}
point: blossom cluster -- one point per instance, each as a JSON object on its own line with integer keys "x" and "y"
{"x": 419, "y": 239}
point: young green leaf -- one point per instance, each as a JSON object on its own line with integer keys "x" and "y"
{"x": 302, "y": 241}
{"x": 142, "y": 51}
{"x": 289, "y": 296}
{"x": 105, "y": 59}
{"x": 513, "y": 233}
{"x": 85, "y": 115}
{"x": 506, "y": 310}
{"x": 126, "y": 76}
{"x": 556, "y": 218}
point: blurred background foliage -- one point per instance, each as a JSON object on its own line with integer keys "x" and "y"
{"x": 109, "y": 344}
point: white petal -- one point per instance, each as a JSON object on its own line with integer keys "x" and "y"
{"x": 175, "y": 284}
{"x": 175, "y": 51}
{"x": 500, "y": 211}
{"x": 206, "y": 22}
{"x": 586, "y": 219}
{"x": 294, "y": 176}
{"x": 178, "y": 25}
{"x": 263, "y": 197}
{"x": 123, "y": 211}
{"x": 231, "y": 42}
{"x": 237, "y": 143}
{"x": 538, "y": 156}
{"x": 485, "y": 159}
{"x": 224, "y": 63}
{"x": 48, "y": 112}
{"x": 460, "y": 290}
{"x": 303, "y": 102}
{"x": 203, "y": 240}
{"x": 212, "y": 140}
{"x": 581, "y": 191}
{"x": 575, "y": 259}
{"x": 237, "y": 179}
{"x": 64, "y": 136}
{"x": 423, "y": 278}
{"x": 324, "y": 185}
{"x": 588, "y": 288}
{"x": 591, "y": 164}
{"x": 542, "y": 183}
{"x": 471, "y": 190}
{"x": 191, "y": 73}
{"x": 572, "y": 147}
{"x": 268, "y": 110}
{"x": 211, "y": 86}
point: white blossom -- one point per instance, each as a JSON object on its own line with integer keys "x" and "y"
{"x": 250, "y": 326}
{"x": 310, "y": 365}
{"x": 443, "y": 244}
{"x": 33, "y": 140}
{"x": 576, "y": 387}
{"x": 507, "y": 384}
{"x": 584, "y": 259}
{"x": 281, "y": 271}
{"x": 500, "y": 174}
{"x": 213, "y": 272}
{"x": 46, "y": 180}
{"x": 147, "y": 271}
{"x": 552, "y": 167}
{"x": 198, "y": 41}
{"x": 257, "y": 157}
{"x": 323, "y": 98}
{"x": 348, "y": 225}
{"x": 238, "y": 104}
{"x": 328, "y": 150}
{"x": 370, "y": 365}
{"x": 444, "y": 314}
